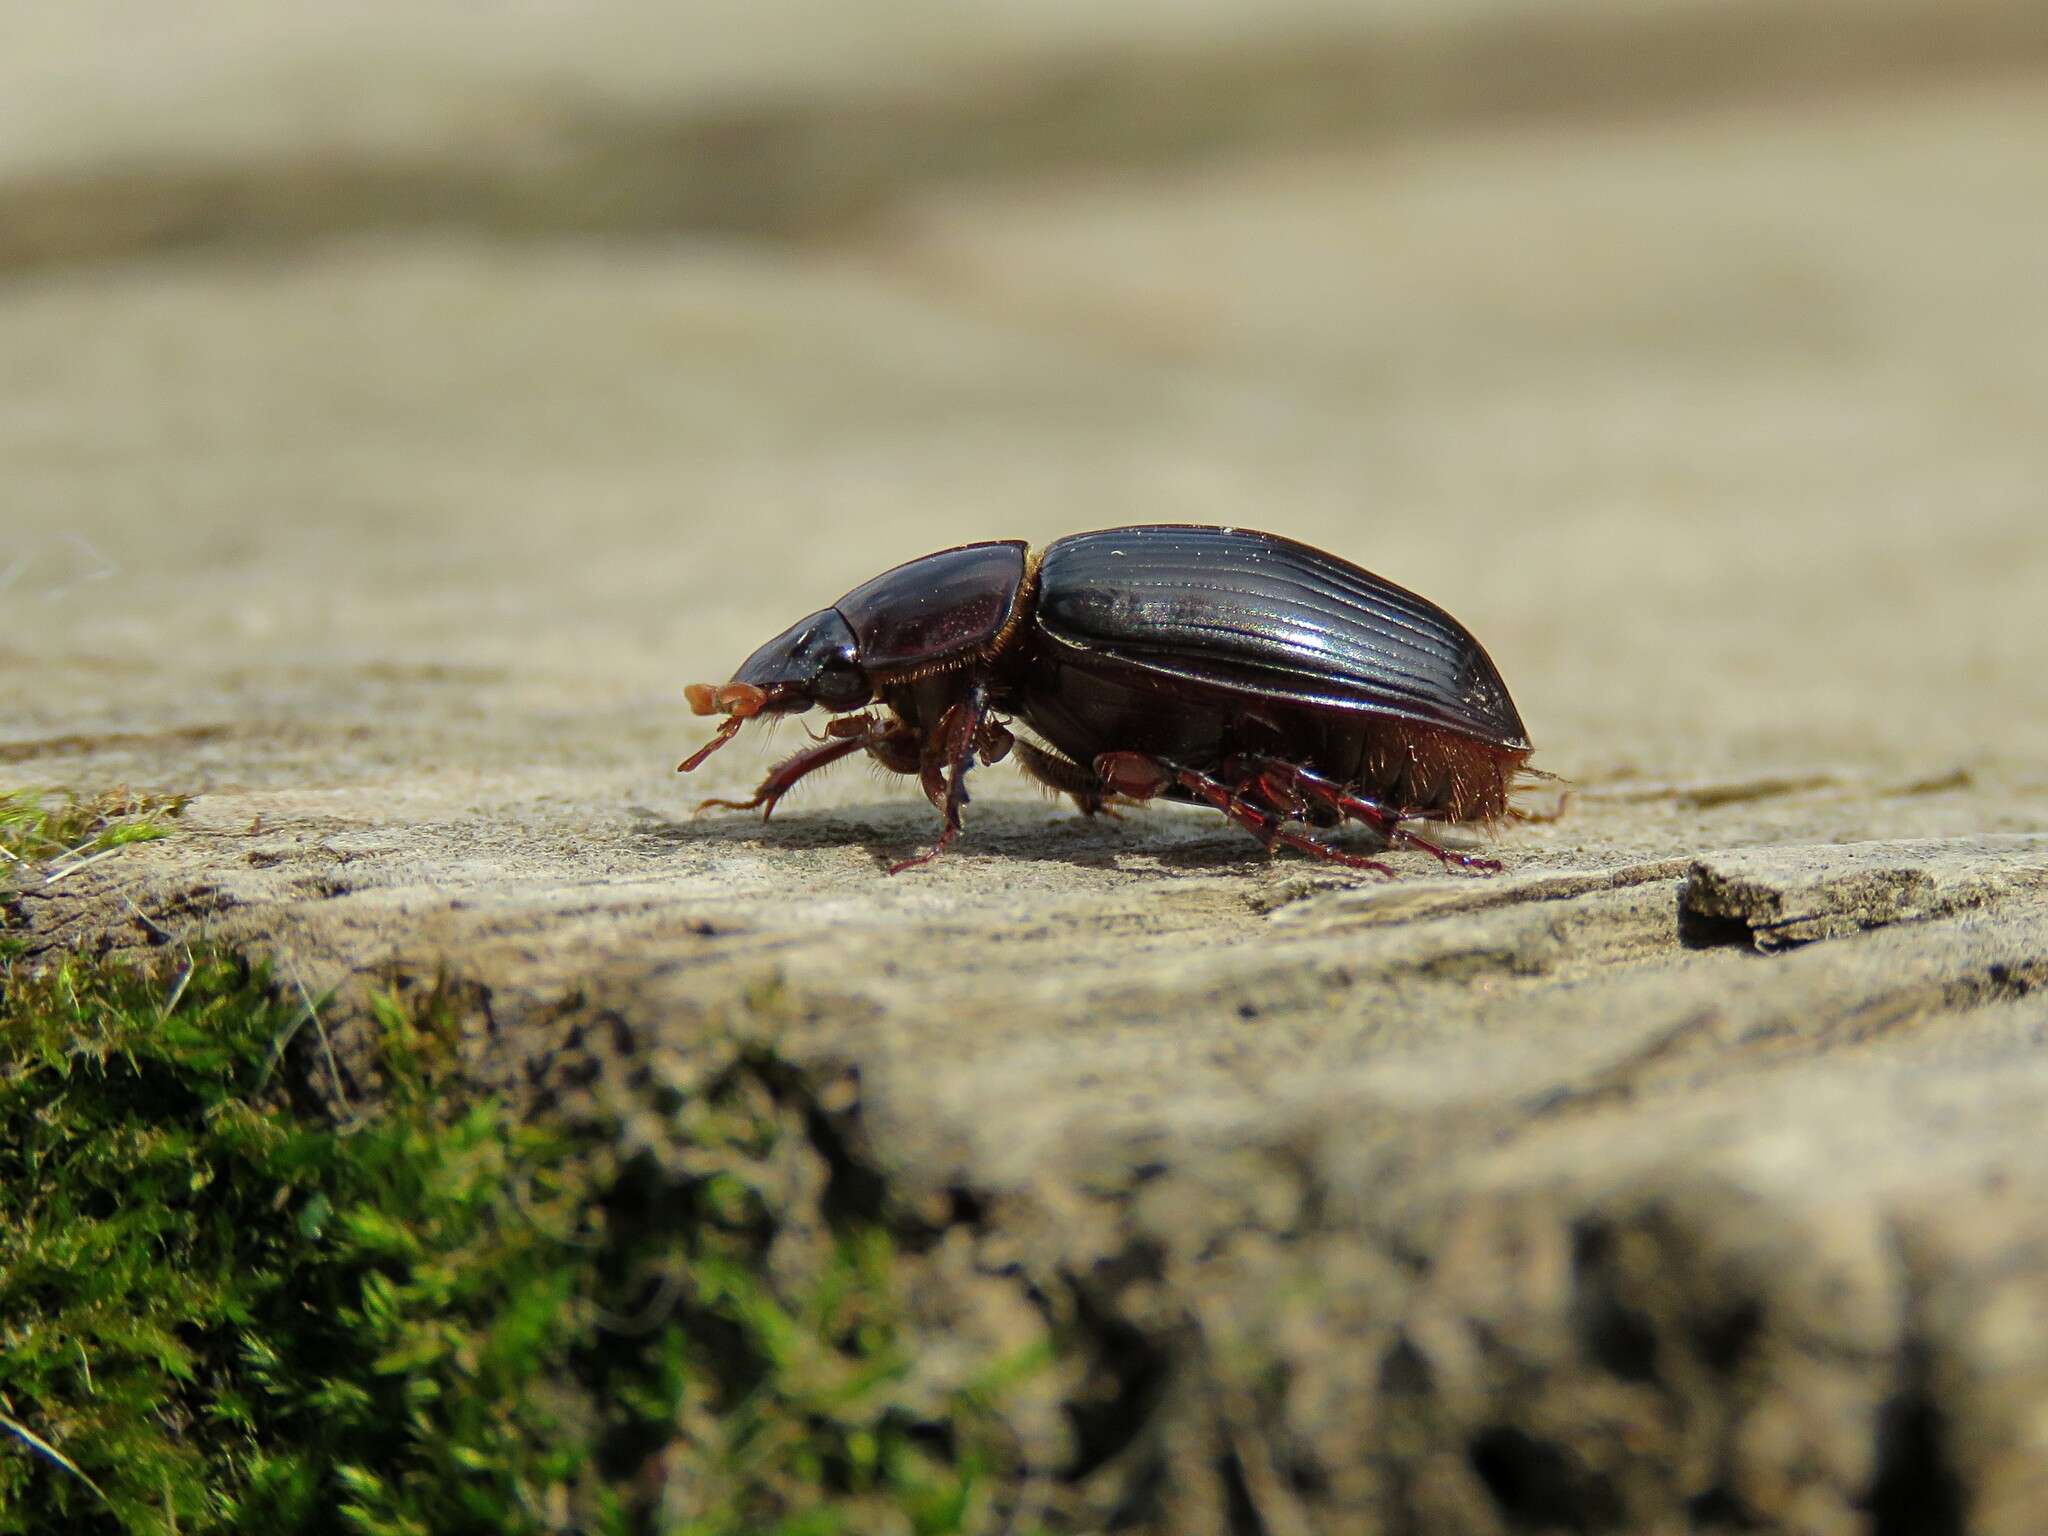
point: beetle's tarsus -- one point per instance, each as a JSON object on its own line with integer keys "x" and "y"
{"x": 1542, "y": 818}
{"x": 923, "y": 858}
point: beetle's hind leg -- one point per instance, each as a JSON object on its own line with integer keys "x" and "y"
{"x": 1138, "y": 777}
{"x": 1299, "y": 792}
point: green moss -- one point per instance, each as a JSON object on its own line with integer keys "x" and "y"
{"x": 221, "y": 1310}
{"x": 36, "y": 830}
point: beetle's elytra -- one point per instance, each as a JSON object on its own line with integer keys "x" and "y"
{"x": 1289, "y": 689}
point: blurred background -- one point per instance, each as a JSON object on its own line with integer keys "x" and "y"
{"x": 417, "y": 382}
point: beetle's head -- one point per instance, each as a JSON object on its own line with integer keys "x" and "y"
{"x": 815, "y": 662}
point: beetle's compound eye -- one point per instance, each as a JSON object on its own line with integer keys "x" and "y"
{"x": 811, "y": 662}
{"x": 840, "y": 684}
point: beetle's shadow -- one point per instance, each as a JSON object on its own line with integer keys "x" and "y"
{"x": 1139, "y": 845}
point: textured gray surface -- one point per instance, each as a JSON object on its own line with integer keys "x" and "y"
{"x": 1690, "y": 1170}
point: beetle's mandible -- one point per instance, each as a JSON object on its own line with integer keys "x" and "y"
{"x": 1289, "y": 689}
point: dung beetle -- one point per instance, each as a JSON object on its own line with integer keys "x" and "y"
{"x": 1285, "y": 687}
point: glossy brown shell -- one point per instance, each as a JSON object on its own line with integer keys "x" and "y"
{"x": 938, "y": 610}
{"x": 1274, "y": 620}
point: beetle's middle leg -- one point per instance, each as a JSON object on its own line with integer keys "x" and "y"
{"x": 948, "y": 752}
{"x": 1138, "y": 777}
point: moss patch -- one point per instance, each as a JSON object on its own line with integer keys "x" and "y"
{"x": 49, "y": 832}
{"x": 221, "y": 1309}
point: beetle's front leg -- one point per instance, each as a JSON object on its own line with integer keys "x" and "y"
{"x": 783, "y": 776}
{"x": 843, "y": 737}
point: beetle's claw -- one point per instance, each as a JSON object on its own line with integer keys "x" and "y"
{"x": 767, "y": 804}
{"x": 724, "y": 805}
